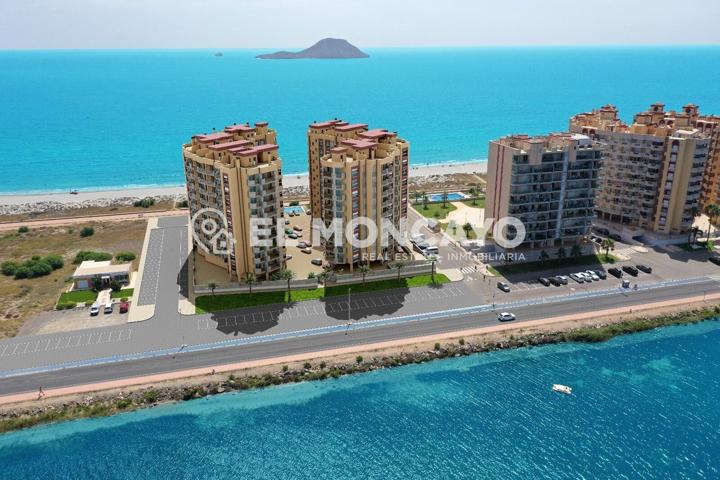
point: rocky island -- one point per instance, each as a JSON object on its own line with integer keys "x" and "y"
{"x": 325, "y": 48}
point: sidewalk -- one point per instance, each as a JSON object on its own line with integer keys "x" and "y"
{"x": 139, "y": 313}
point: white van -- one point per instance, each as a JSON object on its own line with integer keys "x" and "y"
{"x": 432, "y": 250}
{"x": 108, "y": 307}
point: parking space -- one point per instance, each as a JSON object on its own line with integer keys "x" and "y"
{"x": 64, "y": 342}
{"x": 151, "y": 270}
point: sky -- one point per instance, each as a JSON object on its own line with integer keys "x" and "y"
{"x": 40, "y": 24}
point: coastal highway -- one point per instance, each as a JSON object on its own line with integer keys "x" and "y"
{"x": 358, "y": 333}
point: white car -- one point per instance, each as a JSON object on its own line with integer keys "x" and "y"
{"x": 593, "y": 276}
{"x": 316, "y": 261}
{"x": 578, "y": 277}
{"x": 506, "y": 316}
{"x": 94, "y": 310}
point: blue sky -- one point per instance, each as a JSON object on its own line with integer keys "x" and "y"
{"x": 367, "y": 23}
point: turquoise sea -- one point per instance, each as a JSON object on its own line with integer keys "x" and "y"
{"x": 109, "y": 119}
{"x": 644, "y": 407}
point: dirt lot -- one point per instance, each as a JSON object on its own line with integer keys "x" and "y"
{"x": 21, "y": 299}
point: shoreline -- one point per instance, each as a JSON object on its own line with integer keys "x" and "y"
{"x": 290, "y": 180}
{"x": 25, "y": 410}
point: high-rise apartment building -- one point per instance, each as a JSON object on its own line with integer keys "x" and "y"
{"x": 356, "y": 172}
{"x": 234, "y": 182}
{"x": 652, "y": 170}
{"x": 548, "y": 183}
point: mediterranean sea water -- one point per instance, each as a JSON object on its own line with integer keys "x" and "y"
{"x": 643, "y": 407}
{"x": 111, "y": 119}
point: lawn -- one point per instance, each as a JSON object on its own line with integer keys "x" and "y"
{"x": 21, "y": 299}
{"x": 585, "y": 260}
{"x": 124, "y": 293}
{"x": 459, "y": 232}
{"x": 435, "y": 210}
{"x": 78, "y": 296}
{"x": 216, "y": 303}
{"x": 479, "y": 203}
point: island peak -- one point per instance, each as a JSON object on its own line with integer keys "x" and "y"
{"x": 327, "y": 48}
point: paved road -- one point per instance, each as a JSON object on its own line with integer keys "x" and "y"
{"x": 71, "y": 358}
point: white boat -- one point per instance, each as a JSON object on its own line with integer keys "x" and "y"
{"x": 562, "y": 389}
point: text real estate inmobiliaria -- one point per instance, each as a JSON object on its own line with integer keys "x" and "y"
{"x": 235, "y": 194}
{"x": 650, "y": 177}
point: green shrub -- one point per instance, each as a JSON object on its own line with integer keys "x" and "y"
{"x": 182, "y": 204}
{"x": 87, "y": 232}
{"x": 323, "y": 364}
{"x": 22, "y": 272}
{"x": 284, "y": 368}
{"x": 38, "y": 268}
{"x": 9, "y": 268}
{"x": 115, "y": 286}
{"x": 144, "y": 203}
{"x": 125, "y": 256}
{"x": 123, "y": 403}
{"x": 307, "y": 366}
{"x": 150, "y": 396}
{"x": 461, "y": 341}
{"x": 437, "y": 346}
{"x": 294, "y": 203}
{"x": 65, "y": 305}
{"x": 359, "y": 359}
{"x": 23, "y": 229}
{"x": 83, "y": 255}
{"x": 55, "y": 261}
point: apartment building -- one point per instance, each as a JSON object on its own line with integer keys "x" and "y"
{"x": 234, "y": 179}
{"x": 652, "y": 172}
{"x": 356, "y": 172}
{"x": 548, "y": 183}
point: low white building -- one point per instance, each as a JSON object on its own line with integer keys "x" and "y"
{"x": 89, "y": 270}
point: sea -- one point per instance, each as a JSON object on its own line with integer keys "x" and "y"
{"x": 109, "y": 119}
{"x": 644, "y": 406}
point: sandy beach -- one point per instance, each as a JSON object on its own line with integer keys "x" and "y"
{"x": 289, "y": 181}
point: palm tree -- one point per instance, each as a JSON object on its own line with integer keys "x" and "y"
{"x": 399, "y": 265}
{"x": 433, "y": 260}
{"x": 473, "y": 193}
{"x": 424, "y": 196}
{"x": 212, "y": 286}
{"x": 250, "y": 279}
{"x": 576, "y": 251}
{"x": 444, "y": 198}
{"x": 561, "y": 253}
{"x": 607, "y": 245}
{"x": 286, "y": 275}
{"x": 692, "y": 235}
{"x": 544, "y": 256}
{"x": 364, "y": 270}
{"x": 418, "y": 196}
{"x": 467, "y": 228}
{"x": 713, "y": 211}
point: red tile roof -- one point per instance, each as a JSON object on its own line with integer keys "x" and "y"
{"x": 244, "y": 152}
{"x": 239, "y": 128}
{"x": 359, "y": 144}
{"x": 377, "y": 133}
{"x": 348, "y": 128}
{"x": 213, "y": 137}
{"x": 329, "y": 123}
{"x": 230, "y": 145}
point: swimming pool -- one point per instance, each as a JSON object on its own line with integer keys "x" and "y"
{"x": 297, "y": 210}
{"x": 437, "y": 197}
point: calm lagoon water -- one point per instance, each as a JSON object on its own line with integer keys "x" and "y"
{"x": 108, "y": 119}
{"x": 644, "y": 407}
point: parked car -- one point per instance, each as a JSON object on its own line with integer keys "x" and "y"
{"x": 544, "y": 281}
{"x": 302, "y": 245}
{"x": 615, "y": 272}
{"x": 108, "y": 307}
{"x": 431, "y": 250}
{"x": 593, "y": 275}
{"x": 555, "y": 282}
{"x": 506, "y": 316}
{"x": 602, "y": 231}
{"x": 644, "y": 268}
{"x": 306, "y": 250}
{"x": 293, "y": 236}
{"x": 124, "y": 307}
{"x": 578, "y": 278}
{"x": 287, "y": 222}
{"x": 503, "y": 286}
{"x": 297, "y": 228}
{"x": 601, "y": 274}
{"x": 630, "y": 270}
{"x": 616, "y": 237}
{"x": 418, "y": 238}
{"x": 715, "y": 259}
{"x": 288, "y": 231}
{"x": 316, "y": 261}
{"x": 626, "y": 283}
{"x": 563, "y": 279}
{"x": 94, "y": 309}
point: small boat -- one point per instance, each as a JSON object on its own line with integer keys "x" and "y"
{"x": 562, "y": 389}
{"x": 74, "y": 192}
{"x": 218, "y": 54}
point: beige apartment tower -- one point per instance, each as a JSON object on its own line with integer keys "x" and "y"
{"x": 354, "y": 173}
{"x": 652, "y": 172}
{"x": 548, "y": 183}
{"x": 234, "y": 179}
